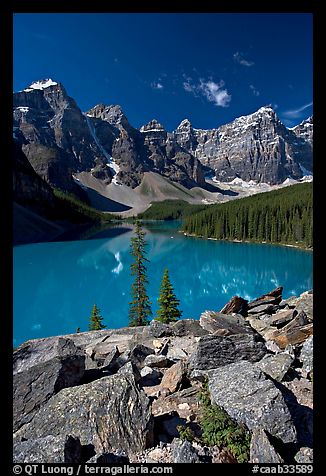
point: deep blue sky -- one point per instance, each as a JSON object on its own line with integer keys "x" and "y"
{"x": 210, "y": 68}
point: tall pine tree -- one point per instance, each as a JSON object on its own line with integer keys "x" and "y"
{"x": 140, "y": 306}
{"x": 168, "y": 303}
{"x": 95, "y": 321}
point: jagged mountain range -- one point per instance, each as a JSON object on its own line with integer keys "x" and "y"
{"x": 60, "y": 140}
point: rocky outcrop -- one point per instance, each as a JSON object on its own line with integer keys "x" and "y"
{"x": 142, "y": 388}
{"x": 38, "y": 376}
{"x": 255, "y": 147}
{"x": 110, "y": 413}
{"x": 53, "y": 132}
{"x": 249, "y": 397}
{"x": 215, "y": 351}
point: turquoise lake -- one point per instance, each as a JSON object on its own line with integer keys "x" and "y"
{"x": 57, "y": 283}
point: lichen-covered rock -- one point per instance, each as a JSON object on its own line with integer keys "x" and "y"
{"x": 110, "y": 414}
{"x": 48, "y": 449}
{"x": 276, "y": 366}
{"x": 261, "y": 449}
{"x": 215, "y": 351}
{"x": 42, "y": 375}
{"x": 250, "y": 398}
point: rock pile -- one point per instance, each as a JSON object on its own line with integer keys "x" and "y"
{"x": 122, "y": 395}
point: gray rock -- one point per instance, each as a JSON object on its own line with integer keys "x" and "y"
{"x": 305, "y": 303}
{"x": 158, "y": 361}
{"x": 215, "y": 351}
{"x": 150, "y": 376}
{"x": 276, "y": 366}
{"x": 36, "y": 384}
{"x": 261, "y": 449}
{"x": 280, "y": 318}
{"x": 184, "y": 452}
{"x": 230, "y": 324}
{"x": 49, "y": 449}
{"x": 110, "y": 414}
{"x": 139, "y": 353}
{"x": 305, "y": 455}
{"x": 186, "y": 327}
{"x": 306, "y": 355}
{"x": 106, "y": 363}
{"x": 250, "y": 398}
{"x": 262, "y": 309}
{"x": 130, "y": 368}
{"x": 39, "y": 351}
{"x": 158, "y": 329}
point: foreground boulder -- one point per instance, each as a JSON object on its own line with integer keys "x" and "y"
{"x": 110, "y": 414}
{"x": 39, "y": 377}
{"x": 215, "y": 351}
{"x": 245, "y": 393}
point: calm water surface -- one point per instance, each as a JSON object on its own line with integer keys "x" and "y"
{"x": 56, "y": 284}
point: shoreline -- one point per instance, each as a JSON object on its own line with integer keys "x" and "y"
{"x": 299, "y": 247}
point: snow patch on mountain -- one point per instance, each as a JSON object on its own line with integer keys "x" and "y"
{"x": 42, "y": 84}
{"x": 110, "y": 161}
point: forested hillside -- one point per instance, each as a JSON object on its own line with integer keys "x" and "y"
{"x": 171, "y": 210}
{"x": 280, "y": 216}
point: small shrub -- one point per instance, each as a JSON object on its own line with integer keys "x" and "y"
{"x": 186, "y": 433}
{"x": 219, "y": 429}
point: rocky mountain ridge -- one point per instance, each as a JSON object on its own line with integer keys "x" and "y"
{"x": 60, "y": 141}
{"x": 255, "y": 147}
{"x": 122, "y": 395}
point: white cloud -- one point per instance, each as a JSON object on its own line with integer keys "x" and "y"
{"x": 255, "y": 91}
{"x": 296, "y": 113}
{"x": 190, "y": 88}
{"x": 157, "y": 85}
{"x": 215, "y": 93}
{"x": 238, "y": 58}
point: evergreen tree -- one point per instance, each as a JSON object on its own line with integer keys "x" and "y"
{"x": 168, "y": 303}
{"x": 95, "y": 321}
{"x": 140, "y": 306}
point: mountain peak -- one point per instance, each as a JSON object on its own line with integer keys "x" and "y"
{"x": 152, "y": 126}
{"x": 112, "y": 113}
{"x": 185, "y": 124}
{"x": 41, "y": 84}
